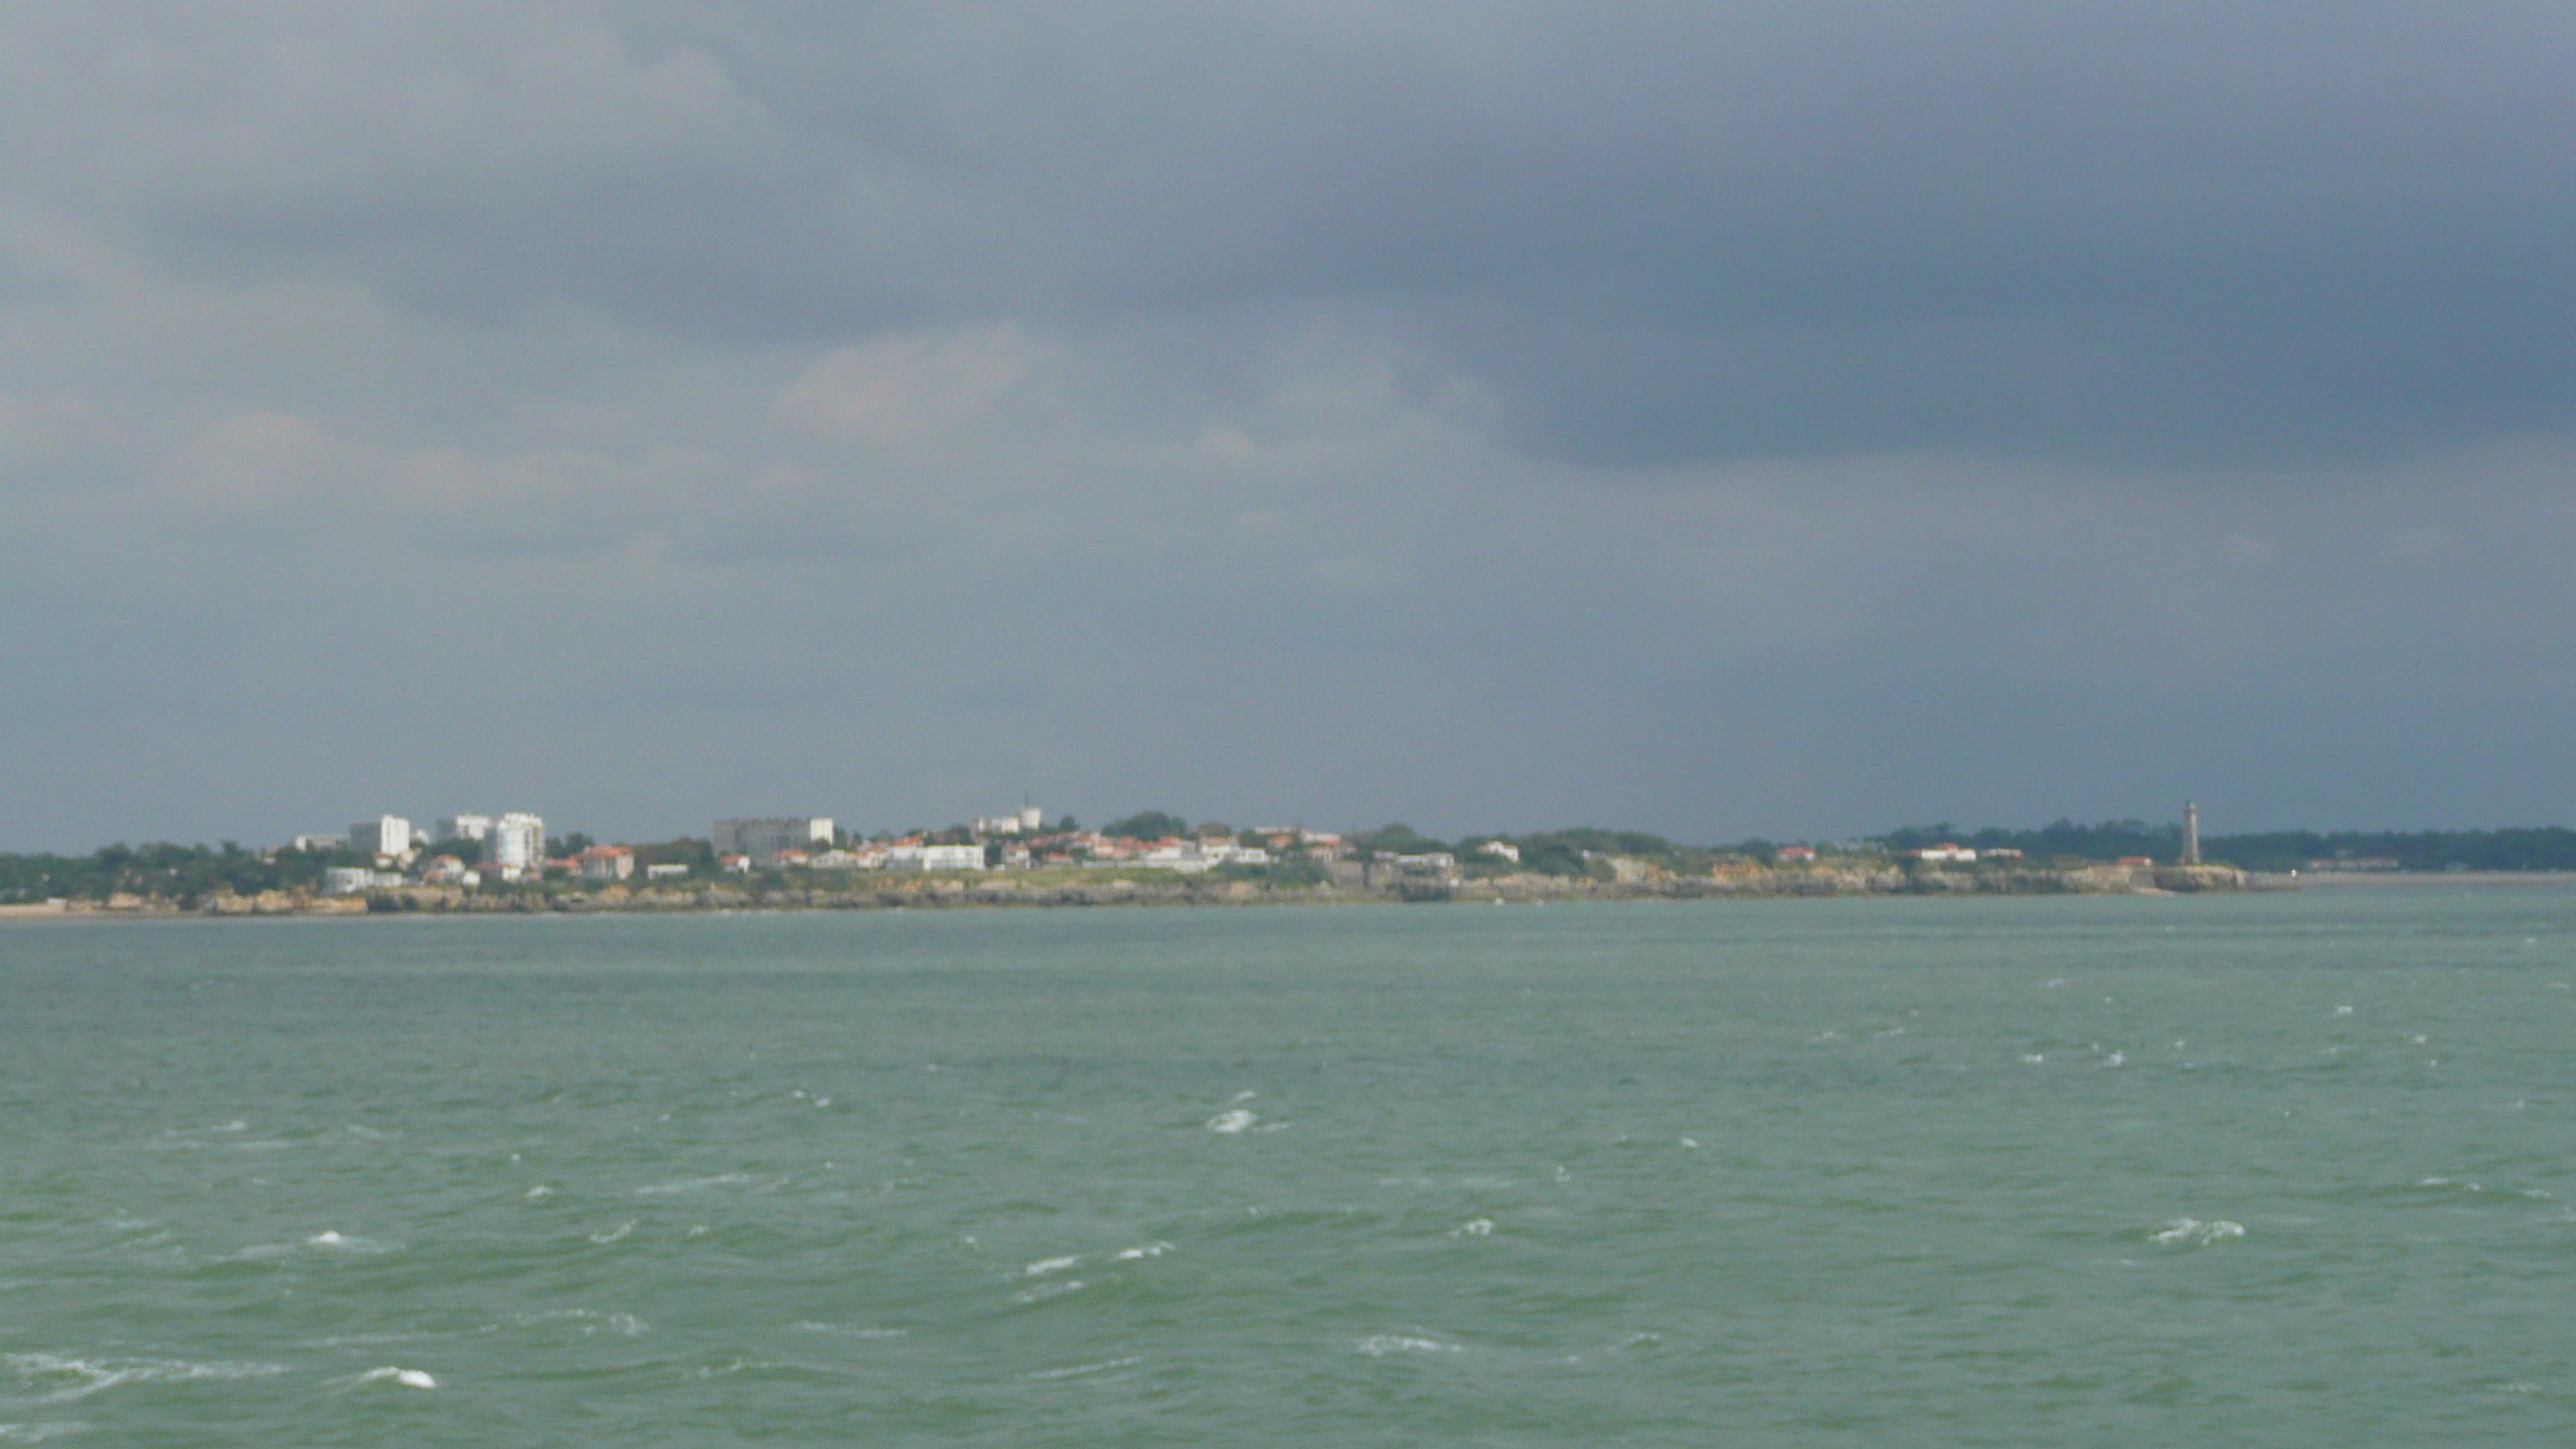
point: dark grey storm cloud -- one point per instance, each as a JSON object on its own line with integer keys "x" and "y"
{"x": 1717, "y": 417}
{"x": 1660, "y": 232}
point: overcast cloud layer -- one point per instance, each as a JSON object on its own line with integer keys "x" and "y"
{"x": 1716, "y": 419}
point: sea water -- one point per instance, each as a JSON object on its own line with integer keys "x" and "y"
{"x": 2274, "y": 1169}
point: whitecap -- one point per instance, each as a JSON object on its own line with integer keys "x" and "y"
{"x": 2115, "y": 1058}
{"x": 2194, "y": 1231}
{"x": 1045, "y": 1291}
{"x": 625, "y": 1325}
{"x": 614, "y": 1234}
{"x": 80, "y": 1378}
{"x": 1245, "y": 1096}
{"x": 1688, "y": 1142}
{"x": 851, "y": 1330}
{"x": 1147, "y": 1250}
{"x": 1044, "y": 1266}
{"x": 38, "y": 1433}
{"x": 1380, "y": 1345}
{"x": 2033, "y": 1058}
{"x": 540, "y": 1190}
{"x": 2343, "y": 1011}
{"x": 693, "y": 1184}
{"x": 1481, "y": 1227}
{"x": 1232, "y": 1121}
{"x": 342, "y": 1243}
{"x": 1080, "y": 1371}
{"x": 408, "y": 1378}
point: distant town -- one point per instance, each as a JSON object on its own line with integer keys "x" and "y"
{"x": 509, "y": 861}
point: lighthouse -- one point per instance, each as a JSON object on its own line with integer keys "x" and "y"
{"x": 2190, "y": 833}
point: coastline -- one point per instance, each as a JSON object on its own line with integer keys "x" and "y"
{"x": 1034, "y": 891}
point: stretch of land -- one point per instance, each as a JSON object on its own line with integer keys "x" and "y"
{"x": 469, "y": 863}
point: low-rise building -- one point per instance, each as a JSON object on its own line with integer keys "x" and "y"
{"x": 315, "y": 844}
{"x": 734, "y": 864}
{"x": 603, "y": 863}
{"x": 447, "y": 870}
{"x": 952, "y": 857}
{"x": 1795, "y": 854}
{"x": 1945, "y": 853}
{"x": 1503, "y": 848}
{"x": 347, "y": 880}
{"x": 665, "y": 872}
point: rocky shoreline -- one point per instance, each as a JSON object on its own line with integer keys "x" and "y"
{"x": 1034, "y": 890}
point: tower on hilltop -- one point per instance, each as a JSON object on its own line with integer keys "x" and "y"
{"x": 2190, "y": 833}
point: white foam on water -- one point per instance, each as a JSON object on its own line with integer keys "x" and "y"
{"x": 1381, "y": 1345}
{"x": 1045, "y": 1291}
{"x": 614, "y": 1234}
{"x": 338, "y": 1242}
{"x": 79, "y": 1378}
{"x": 1690, "y": 1143}
{"x": 2196, "y": 1232}
{"x": 1480, "y": 1228}
{"x": 1044, "y": 1266}
{"x": 2115, "y": 1058}
{"x": 2033, "y": 1058}
{"x": 1044, "y": 1375}
{"x": 408, "y": 1378}
{"x": 1146, "y": 1250}
{"x": 1245, "y": 1096}
{"x": 852, "y": 1330}
{"x": 2343, "y": 1011}
{"x": 540, "y": 1190}
{"x": 38, "y": 1433}
{"x": 1233, "y": 1121}
{"x": 625, "y": 1325}
{"x": 695, "y": 1184}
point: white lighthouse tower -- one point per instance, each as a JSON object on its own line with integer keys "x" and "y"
{"x": 2190, "y": 833}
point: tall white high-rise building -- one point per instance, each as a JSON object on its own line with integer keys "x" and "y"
{"x": 517, "y": 839}
{"x": 462, "y": 827}
{"x": 384, "y": 835}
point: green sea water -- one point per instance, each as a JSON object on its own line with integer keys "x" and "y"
{"x": 2278, "y": 1170}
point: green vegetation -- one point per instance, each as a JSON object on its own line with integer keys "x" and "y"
{"x": 1147, "y": 825}
{"x": 187, "y": 873}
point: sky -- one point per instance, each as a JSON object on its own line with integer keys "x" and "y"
{"x": 1706, "y": 418}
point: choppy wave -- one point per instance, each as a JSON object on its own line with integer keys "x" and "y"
{"x": 1381, "y": 1345}
{"x": 58, "y": 1379}
{"x": 2197, "y": 1233}
{"x": 1233, "y": 1120}
{"x": 407, "y": 1378}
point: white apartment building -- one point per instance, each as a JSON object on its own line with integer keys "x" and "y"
{"x": 516, "y": 840}
{"x": 952, "y": 857}
{"x": 462, "y": 827}
{"x": 384, "y": 835}
{"x": 766, "y": 839}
